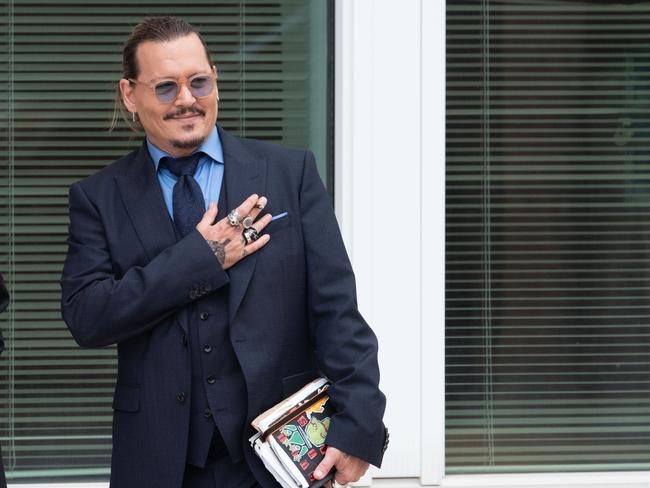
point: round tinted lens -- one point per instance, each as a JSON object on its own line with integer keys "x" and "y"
{"x": 166, "y": 91}
{"x": 201, "y": 86}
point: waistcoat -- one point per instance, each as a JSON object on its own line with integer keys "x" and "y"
{"x": 218, "y": 389}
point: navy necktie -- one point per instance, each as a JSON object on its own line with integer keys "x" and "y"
{"x": 187, "y": 198}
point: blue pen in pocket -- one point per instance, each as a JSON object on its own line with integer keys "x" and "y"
{"x": 279, "y": 216}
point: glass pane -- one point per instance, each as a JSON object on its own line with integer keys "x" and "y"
{"x": 548, "y": 232}
{"x": 58, "y": 66}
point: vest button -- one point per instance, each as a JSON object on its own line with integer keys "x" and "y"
{"x": 207, "y": 348}
{"x": 207, "y": 413}
{"x": 180, "y": 396}
{"x": 211, "y": 380}
{"x": 204, "y": 315}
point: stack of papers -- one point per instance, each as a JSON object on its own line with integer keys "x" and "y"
{"x": 290, "y": 436}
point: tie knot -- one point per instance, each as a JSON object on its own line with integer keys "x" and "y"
{"x": 182, "y": 166}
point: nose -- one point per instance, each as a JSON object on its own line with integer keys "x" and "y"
{"x": 185, "y": 96}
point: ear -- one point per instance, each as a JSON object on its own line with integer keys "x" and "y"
{"x": 126, "y": 89}
{"x": 216, "y": 76}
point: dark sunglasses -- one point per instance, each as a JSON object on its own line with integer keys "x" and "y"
{"x": 167, "y": 89}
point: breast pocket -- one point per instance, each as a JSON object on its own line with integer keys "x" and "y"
{"x": 285, "y": 243}
{"x": 278, "y": 225}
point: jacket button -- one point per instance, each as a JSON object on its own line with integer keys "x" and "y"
{"x": 207, "y": 413}
{"x": 204, "y": 315}
{"x": 211, "y": 380}
{"x": 184, "y": 339}
{"x": 180, "y": 396}
{"x": 386, "y": 440}
{"x": 207, "y": 348}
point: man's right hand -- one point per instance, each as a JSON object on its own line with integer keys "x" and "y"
{"x": 227, "y": 241}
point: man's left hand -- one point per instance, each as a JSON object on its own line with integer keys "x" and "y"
{"x": 348, "y": 468}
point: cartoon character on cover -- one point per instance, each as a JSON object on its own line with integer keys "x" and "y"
{"x": 316, "y": 430}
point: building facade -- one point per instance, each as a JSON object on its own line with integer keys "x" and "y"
{"x": 377, "y": 89}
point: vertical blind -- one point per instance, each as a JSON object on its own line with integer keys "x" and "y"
{"x": 59, "y": 62}
{"x": 548, "y": 236}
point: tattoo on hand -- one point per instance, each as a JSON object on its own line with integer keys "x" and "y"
{"x": 219, "y": 249}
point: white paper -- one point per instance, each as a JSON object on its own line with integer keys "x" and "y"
{"x": 287, "y": 463}
{"x": 263, "y": 421}
{"x": 275, "y": 467}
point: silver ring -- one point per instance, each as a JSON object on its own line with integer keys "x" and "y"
{"x": 336, "y": 484}
{"x": 247, "y": 222}
{"x": 234, "y": 218}
{"x": 250, "y": 235}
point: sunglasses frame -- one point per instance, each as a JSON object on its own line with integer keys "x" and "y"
{"x": 179, "y": 83}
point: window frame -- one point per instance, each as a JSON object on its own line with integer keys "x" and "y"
{"x": 41, "y": 478}
{"x": 354, "y": 36}
{"x": 433, "y": 29}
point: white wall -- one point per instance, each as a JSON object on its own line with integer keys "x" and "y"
{"x": 390, "y": 201}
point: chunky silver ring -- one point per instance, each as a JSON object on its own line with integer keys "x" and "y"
{"x": 250, "y": 235}
{"x": 234, "y": 218}
{"x": 336, "y": 484}
{"x": 247, "y": 222}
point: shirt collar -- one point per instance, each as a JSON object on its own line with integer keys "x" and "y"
{"x": 211, "y": 146}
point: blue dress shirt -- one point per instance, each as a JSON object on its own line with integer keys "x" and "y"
{"x": 208, "y": 174}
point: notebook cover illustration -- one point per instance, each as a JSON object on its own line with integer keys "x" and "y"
{"x": 301, "y": 438}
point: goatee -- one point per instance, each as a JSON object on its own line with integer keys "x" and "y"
{"x": 187, "y": 144}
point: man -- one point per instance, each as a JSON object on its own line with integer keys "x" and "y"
{"x": 218, "y": 311}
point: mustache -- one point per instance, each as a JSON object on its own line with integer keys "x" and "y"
{"x": 184, "y": 111}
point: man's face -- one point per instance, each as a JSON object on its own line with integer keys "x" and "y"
{"x": 180, "y": 126}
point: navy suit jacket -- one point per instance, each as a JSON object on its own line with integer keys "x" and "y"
{"x": 292, "y": 306}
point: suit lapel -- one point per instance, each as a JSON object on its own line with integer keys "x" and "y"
{"x": 145, "y": 205}
{"x": 245, "y": 174}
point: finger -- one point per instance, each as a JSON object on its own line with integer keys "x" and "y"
{"x": 209, "y": 215}
{"x": 259, "y": 206}
{"x": 331, "y": 455}
{"x": 263, "y": 222}
{"x": 247, "y": 205}
{"x": 256, "y": 245}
